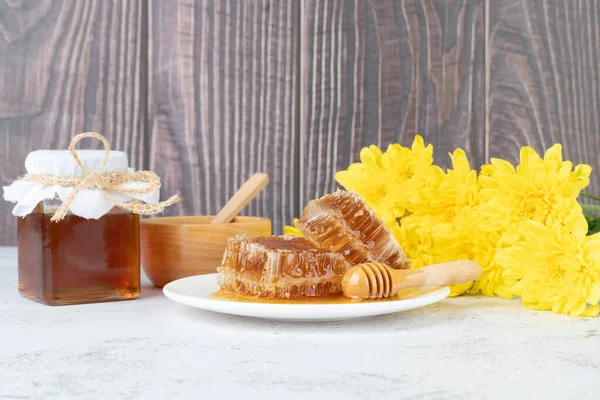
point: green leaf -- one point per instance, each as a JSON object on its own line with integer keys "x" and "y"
{"x": 593, "y": 223}
{"x": 589, "y": 196}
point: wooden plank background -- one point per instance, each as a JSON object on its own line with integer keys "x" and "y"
{"x": 207, "y": 92}
{"x": 545, "y": 79}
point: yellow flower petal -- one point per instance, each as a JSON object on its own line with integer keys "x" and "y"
{"x": 591, "y": 311}
{"x": 554, "y": 153}
{"x": 457, "y": 290}
{"x": 502, "y": 166}
{"x": 371, "y": 155}
{"x": 292, "y": 230}
{"x": 592, "y": 295}
{"x": 418, "y": 144}
{"x": 529, "y": 157}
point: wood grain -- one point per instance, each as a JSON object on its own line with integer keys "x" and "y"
{"x": 545, "y": 79}
{"x": 379, "y": 72}
{"x": 68, "y": 67}
{"x": 222, "y": 102}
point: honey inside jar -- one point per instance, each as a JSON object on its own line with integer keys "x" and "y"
{"x": 78, "y": 260}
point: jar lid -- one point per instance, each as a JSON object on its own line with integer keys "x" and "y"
{"x": 61, "y": 162}
{"x": 88, "y": 182}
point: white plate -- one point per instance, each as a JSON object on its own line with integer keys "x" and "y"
{"x": 195, "y": 291}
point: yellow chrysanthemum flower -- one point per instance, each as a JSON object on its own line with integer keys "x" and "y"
{"x": 402, "y": 163}
{"x": 578, "y": 179}
{"x": 292, "y": 230}
{"x": 493, "y": 282}
{"x": 382, "y": 179}
{"x": 542, "y": 190}
{"x": 558, "y": 266}
{"x": 447, "y": 194}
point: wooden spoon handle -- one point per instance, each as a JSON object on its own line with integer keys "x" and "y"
{"x": 241, "y": 198}
{"x": 448, "y": 273}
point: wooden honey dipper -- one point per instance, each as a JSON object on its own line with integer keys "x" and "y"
{"x": 373, "y": 280}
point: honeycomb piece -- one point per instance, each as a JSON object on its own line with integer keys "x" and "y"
{"x": 280, "y": 267}
{"x": 342, "y": 222}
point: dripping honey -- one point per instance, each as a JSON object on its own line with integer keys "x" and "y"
{"x": 77, "y": 260}
{"x": 228, "y": 295}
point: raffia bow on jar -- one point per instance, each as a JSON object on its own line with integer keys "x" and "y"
{"x": 89, "y": 183}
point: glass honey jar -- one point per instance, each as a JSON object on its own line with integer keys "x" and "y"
{"x": 78, "y": 260}
{"x": 78, "y": 224}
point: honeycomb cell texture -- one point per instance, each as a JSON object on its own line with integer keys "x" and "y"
{"x": 281, "y": 267}
{"x": 342, "y": 222}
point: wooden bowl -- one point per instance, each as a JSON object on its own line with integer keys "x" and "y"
{"x": 178, "y": 247}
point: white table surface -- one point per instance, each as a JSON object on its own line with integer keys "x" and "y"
{"x": 152, "y": 348}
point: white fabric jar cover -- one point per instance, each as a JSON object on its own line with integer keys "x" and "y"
{"x": 88, "y": 203}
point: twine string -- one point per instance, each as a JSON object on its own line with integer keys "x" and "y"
{"x": 104, "y": 182}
